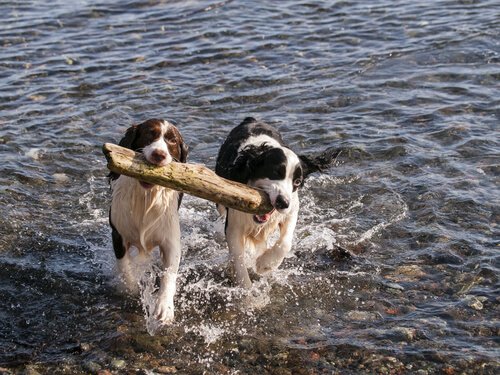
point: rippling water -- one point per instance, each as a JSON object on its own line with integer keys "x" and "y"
{"x": 409, "y": 92}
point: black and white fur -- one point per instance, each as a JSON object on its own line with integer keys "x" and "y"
{"x": 255, "y": 154}
{"x": 145, "y": 216}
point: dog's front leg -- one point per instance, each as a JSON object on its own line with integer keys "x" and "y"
{"x": 273, "y": 257}
{"x": 171, "y": 254}
{"x": 235, "y": 238}
{"x": 121, "y": 248}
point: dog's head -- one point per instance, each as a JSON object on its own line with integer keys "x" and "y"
{"x": 276, "y": 170}
{"x": 159, "y": 141}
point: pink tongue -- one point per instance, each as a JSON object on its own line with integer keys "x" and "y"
{"x": 263, "y": 218}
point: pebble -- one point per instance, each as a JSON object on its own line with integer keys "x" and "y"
{"x": 394, "y": 286}
{"x": 118, "y": 363}
{"x": 92, "y": 366}
{"x": 413, "y": 271}
{"x": 61, "y": 178}
{"x": 30, "y": 370}
{"x": 407, "y": 334}
{"x": 84, "y": 347}
{"x": 475, "y": 302}
{"x": 367, "y": 316}
{"x": 166, "y": 370}
{"x": 143, "y": 343}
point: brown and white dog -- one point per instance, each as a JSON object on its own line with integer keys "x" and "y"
{"x": 145, "y": 216}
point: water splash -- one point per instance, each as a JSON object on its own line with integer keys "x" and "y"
{"x": 147, "y": 290}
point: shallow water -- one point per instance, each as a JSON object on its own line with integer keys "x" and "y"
{"x": 408, "y": 92}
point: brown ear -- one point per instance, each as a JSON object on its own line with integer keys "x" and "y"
{"x": 183, "y": 147}
{"x": 130, "y": 135}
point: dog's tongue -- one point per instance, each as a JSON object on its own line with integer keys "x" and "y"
{"x": 262, "y": 218}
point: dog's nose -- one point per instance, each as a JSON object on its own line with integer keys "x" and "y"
{"x": 158, "y": 156}
{"x": 281, "y": 202}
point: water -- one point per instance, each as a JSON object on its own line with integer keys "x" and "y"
{"x": 409, "y": 92}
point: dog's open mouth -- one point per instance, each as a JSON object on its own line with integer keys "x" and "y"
{"x": 145, "y": 185}
{"x": 261, "y": 219}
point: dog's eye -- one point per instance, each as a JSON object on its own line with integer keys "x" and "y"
{"x": 171, "y": 141}
{"x": 297, "y": 182}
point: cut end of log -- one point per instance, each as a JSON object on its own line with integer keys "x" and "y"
{"x": 188, "y": 178}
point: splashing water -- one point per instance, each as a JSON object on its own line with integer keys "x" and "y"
{"x": 147, "y": 289}
{"x": 394, "y": 266}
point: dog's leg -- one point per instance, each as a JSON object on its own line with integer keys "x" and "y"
{"x": 273, "y": 257}
{"x": 170, "y": 251}
{"x": 123, "y": 261}
{"x": 235, "y": 238}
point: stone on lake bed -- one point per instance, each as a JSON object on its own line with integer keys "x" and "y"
{"x": 61, "y": 178}
{"x": 118, "y": 363}
{"x": 166, "y": 370}
{"x": 92, "y": 366}
{"x": 406, "y": 273}
{"x": 475, "y": 302}
{"x": 366, "y": 316}
{"x": 411, "y": 270}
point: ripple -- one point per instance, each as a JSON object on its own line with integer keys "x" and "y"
{"x": 407, "y": 92}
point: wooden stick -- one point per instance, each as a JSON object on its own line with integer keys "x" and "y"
{"x": 192, "y": 179}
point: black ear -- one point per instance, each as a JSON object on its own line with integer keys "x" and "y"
{"x": 130, "y": 135}
{"x": 318, "y": 162}
{"x": 248, "y": 120}
{"x": 239, "y": 171}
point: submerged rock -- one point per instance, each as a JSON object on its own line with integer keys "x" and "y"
{"x": 91, "y": 366}
{"x": 118, "y": 363}
{"x": 166, "y": 370}
{"x": 367, "y": 316}
{"x": 412, "y": 271}
{"x": 475, "y": 302}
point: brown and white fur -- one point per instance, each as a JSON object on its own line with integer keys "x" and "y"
{"x": 145, "y": 216}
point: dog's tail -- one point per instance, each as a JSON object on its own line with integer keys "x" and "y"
{"x": 319, "y": 162}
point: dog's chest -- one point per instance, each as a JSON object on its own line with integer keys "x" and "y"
{"x": 140, "y": 214}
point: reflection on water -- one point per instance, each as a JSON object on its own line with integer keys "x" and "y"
{"x": 395, "y": 264}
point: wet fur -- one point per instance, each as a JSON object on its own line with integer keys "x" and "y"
{"x": 147, "y": 217}
{"x": 254, "y": 153}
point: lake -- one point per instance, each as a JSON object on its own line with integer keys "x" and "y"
{"x": 395, "y": 263}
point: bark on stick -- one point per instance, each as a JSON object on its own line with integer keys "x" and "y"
{"x": 188, "y": 178}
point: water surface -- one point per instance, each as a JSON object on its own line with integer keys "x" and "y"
{"x": 409, "y": 92}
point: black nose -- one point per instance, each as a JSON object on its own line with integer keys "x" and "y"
{"x": 281, "y": 202}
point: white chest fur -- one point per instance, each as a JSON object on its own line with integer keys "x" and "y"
{"x": 143, "y": 216}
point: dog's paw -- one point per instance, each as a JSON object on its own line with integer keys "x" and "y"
{"x": 267, "y": 262}
{"x": 164, "y": 312}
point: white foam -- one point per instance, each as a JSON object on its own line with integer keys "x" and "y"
{"x": 33, "y": 153}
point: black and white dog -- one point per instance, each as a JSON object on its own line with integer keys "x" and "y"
{"x": 254, "y": 154}
{"x": 145, "y": 216}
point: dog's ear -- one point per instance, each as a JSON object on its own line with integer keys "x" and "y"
{"x": 248, "y": 120}
{"x": 128, "y": 139}
{"x": 183, "y": 147}
{"x": 184, "y": 152}
{"x": 239, "y": 171}
{"x": 318, "y": 162}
